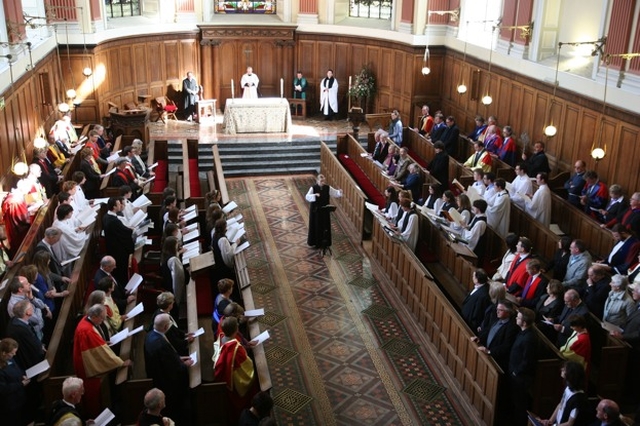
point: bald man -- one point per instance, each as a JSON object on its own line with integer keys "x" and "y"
{"x": 607, "y": 413}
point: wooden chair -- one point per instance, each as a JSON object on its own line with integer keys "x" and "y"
{"x": 165, "y": 108}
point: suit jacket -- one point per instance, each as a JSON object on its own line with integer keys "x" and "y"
{"x": 502, "y": 342}
{"x": 437, "y": 131}
{"x": 563, "y": 319}
{"x": 402, "y": 170}
{"x": 537, "y": 163}
{"x": 119, "y": 240}
{"x": 474, "y": 305}
{"x": 523, "y": 358}
{"x": 92, "y": 184}
{"x": 574, "y": 186}
{"x": 49, "y": 177}
{"x": 57, "y": 270}
{"x": 537, "y": 289}
{"x": 596, "y": 296}
{"x": 30, "y": 352}
{"x": 614, "y": 210}
{"x": 450, "y": 138}
{"x": 576, "y": 275}
{"x": 118, "y": 295}
{"x": 164, "y": 366}
{"x": 413, "y": 183}
{"x": 439, "y": 168}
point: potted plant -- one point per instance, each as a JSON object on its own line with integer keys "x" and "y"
{"x": 364, "y": 87}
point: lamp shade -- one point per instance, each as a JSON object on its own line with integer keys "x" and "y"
{"x": 39, "y": 142}
{"x": 20, "y": 168}
{"x": 486, "y": 100}
{"x": 462, "y": 89}
{"x": 87, "y": 72}
{"x": 598, "y": 154}
{"x": 63, "y": 107}
{"x": 71, "y": 93}
{"x": 550, "y": 130}
{"x": 426, "y": 70}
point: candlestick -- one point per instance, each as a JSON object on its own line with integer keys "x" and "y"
{"x": 349, "y": 95}
{"x": 349, "y": 82}
{"x": 232, "y": 90}
{"x": 282, "y": 87}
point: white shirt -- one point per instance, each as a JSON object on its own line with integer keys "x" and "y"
{"x": 520, "y": 185}
{"x": 540, "y": 205}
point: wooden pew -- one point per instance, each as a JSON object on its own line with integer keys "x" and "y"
{"x": 353, "y": 198}
{"x": 219, "y": 175}
{"x": 192, "y": 188}
{"x": 609, "y": 361}
{"x": 158, "y": 152}
{"x": 478, "y": 376}
{"x": 349, "y": 146}
{"x": 378, "y": 121}
{"x": 547, "y": 386}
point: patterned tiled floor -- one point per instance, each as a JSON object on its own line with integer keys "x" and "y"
{"x": 343, "y": 351}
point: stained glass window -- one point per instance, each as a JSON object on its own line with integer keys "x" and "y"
{"x": 374, "y": 9}
{"x": 264, "y": 7}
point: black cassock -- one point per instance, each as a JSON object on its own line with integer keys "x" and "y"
{"x": 320, "y": 219}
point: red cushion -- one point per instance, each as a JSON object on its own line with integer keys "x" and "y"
{"x": 194, "y": 179}
{"x": 162, "y": 170}
{"x": 417, "y": 158}
{"x": 363, "y": 180}
{"x": 204, "y": 298}
{"x": 171, "y": 108}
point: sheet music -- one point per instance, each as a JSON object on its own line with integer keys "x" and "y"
{"x": 229, "y": 207}
{"x": 40, "y": 367}
{"x": 136, "y": 310}
{"x": 261, "y": 337}
{"x": 198, "y": 332}
{"x": 134, "y": 282}
{"x": 104, "y": 418}
{"x": 194, "y": 357}
{"x": 189, "y": 216}
{"x": 254, "y": 312}
{"x": 100, "y": 200}
{"x": 119, "y": 337}
{"x": 191, "y": 235}
{"x": 66, "y": 262}
{"x": 114, "y": 156}
{"x": 241, "y": 247}
{"x": 141, "y": 201}
{"x": 153, "y": 166}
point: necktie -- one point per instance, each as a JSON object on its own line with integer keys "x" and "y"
{"x": 527, "y": 287}
{"x": 475, "y": 163}
{"x": 493, "y": 331}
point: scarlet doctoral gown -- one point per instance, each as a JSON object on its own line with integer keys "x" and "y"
{"x": 235, "y": 368}
{"x": 92, "y": 359}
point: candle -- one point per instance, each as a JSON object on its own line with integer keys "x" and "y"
{"x": 349, "y": 82}
{"x": 282, "y": 88}
{"x": 232, "y": 89}
{"x": 349, "y": 95}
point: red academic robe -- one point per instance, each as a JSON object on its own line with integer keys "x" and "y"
{"x": 92, "y": 359}
{"x": 17, "y": 220}
{"x": 235, "y": 368}
{"x": 518, "y": 275}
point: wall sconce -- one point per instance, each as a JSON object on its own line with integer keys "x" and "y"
{"x": 525, "y": 30}
{"x": 20, "y": 167}
{"x": 63, "y": 108}
{"x": 455, "y": 13}
{"x": 40, "y": 142}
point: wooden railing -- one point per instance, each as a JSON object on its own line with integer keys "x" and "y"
{"x": 353, "y": 198}
{"x": 478, "y": 375}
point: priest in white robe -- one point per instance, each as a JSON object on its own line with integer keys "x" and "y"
{"x": 499, "y": 210}
{"x": 249, "y": 83}
{"x": 520, "y": 185}
{"x": 329, "y": 95}
{"x": 540, "y": 205}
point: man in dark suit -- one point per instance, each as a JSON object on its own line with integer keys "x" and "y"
{"x": 49, "y": 177}
{"x": 119, "y": 238}
{"x": 575, "y": 184}
{"x": 190, "y": 90}
{"x": 439, "y": 165}
{"x": 450, "y": 137}
{"x": 522, "y": 366}
{"x": 616, "y": 205}
{"x": 477, "y": 301}
{"x": 498, "y": 339}
{"x": 30, "y": 350}
{"x": 59, "y": 273}
{"x": 607, "y": 414}
{"x": 538, "y": 162}
{"x": 120, "y": 297}
{"x": 597, "y": 290}
{"x": 168, "y": 370}
{"x": 573, "y": 305}
{"x": 438, "y": 127}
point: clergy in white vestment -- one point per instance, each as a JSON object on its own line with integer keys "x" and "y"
{"x": 72, "y": 239}
{"x": 540, "y": 205}
{"x": 408, "y": 225}
{"x": 249, "y": 83}
{"x": 329, "y": 95}
{"x": 499, "y": 210}
{"x": 520, "y": 185}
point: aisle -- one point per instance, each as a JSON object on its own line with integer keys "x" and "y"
{"x": 339, "y": 352}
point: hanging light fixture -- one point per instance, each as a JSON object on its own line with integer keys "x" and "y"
{"x": 462, "y": 88}
{"x": 64, "y": 107}
{"x": 551, "y": 130}
{"x": 86, "y": 71}
{"x": 487, "y": 99}
{"x": 426, "y": 62}
{"x": 20, "y": 167}
{"x": 71, "y": 93}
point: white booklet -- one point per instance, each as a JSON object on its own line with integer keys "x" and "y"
{"x": 114, "y": 156}
{"x": 229, "y": 207}
{"x": 194, "y": 357}
{"x": 254, "y": 312}
{"x": 190, "y": 216}
{"x": 153, "y": 166}
{"x": 141, "y": 201}
{"x": 134, "y": 282}
{"x": 192, "y": 245}
{"x": 66, "y": 262}
{"x": 104, "y": 418}
{"x": 119, "y": 337}
{"x": 261, "y": 337}
{"x": 137, "y": 218}
{"x": 190, "y": 228}
{"x": 100, "y": 200}
{"x": 237, "y": 218}
{"x": 198, "y": 332}
{"x": 191, "y": 235}
{"x": 241, "y": 247}
{"x": 40, "y": 367}
{"x": 136, "y": 310}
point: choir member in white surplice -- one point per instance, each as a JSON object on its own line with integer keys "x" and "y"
{"x": 520, "y": 185}
{"x": 540, "y": 205}
{"x": 499, "y": 210}
{"x": 73, "y": 238}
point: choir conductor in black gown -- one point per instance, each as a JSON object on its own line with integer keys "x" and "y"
{"x": 319, "y": 217}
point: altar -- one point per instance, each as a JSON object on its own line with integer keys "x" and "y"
{"x": 261, "y": 115}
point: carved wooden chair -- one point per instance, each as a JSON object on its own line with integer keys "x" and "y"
{"x": 165, "y": 108}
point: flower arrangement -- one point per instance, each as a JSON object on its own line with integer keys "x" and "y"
{"x": 365, "y": 84}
